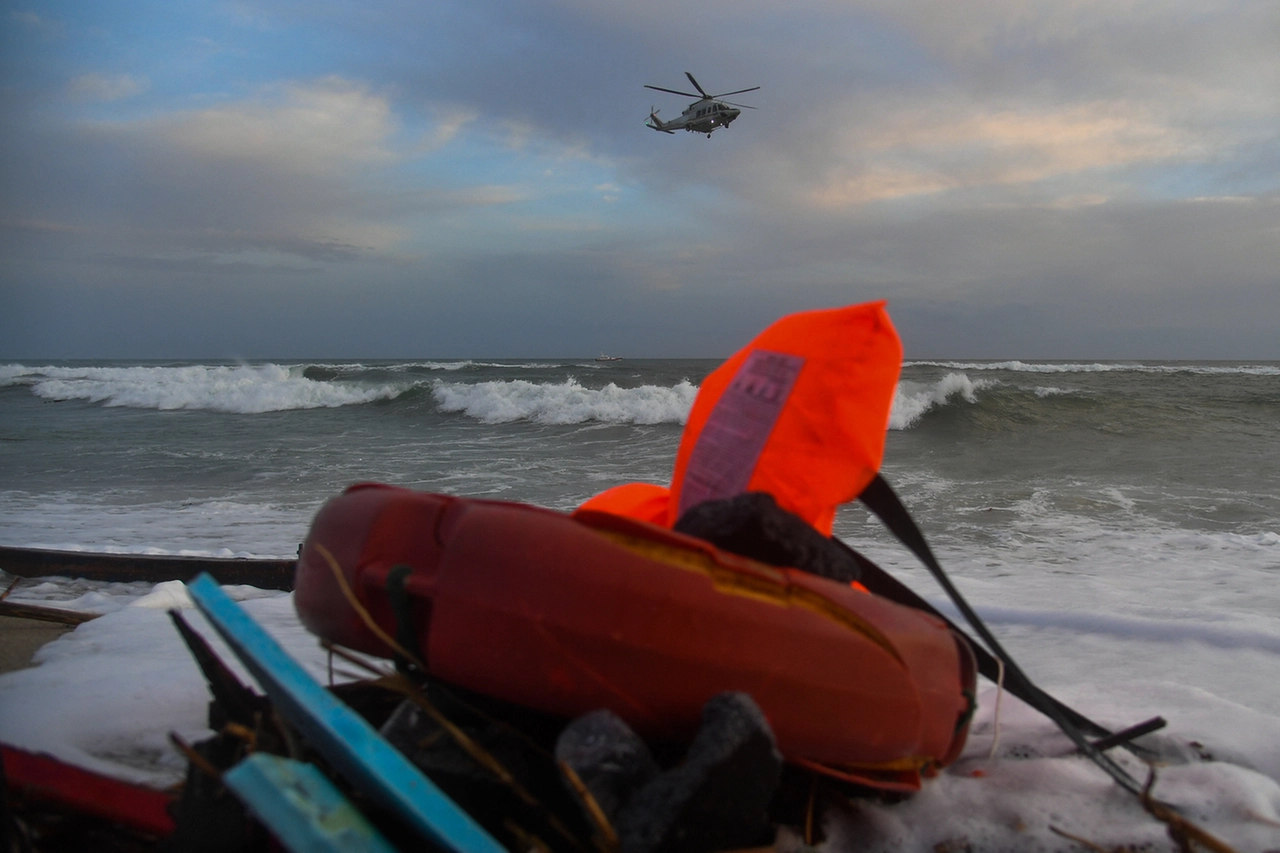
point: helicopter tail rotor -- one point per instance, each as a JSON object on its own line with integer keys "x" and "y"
{"x": 656, "y": 123}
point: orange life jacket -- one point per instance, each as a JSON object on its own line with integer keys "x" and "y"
{"x": 800, "y": 412}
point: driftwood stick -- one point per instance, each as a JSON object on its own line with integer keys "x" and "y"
{"x": 1126, "y": 735}
{"x": 606, "y": 835}
{"x": 205, "y": 765}
{"x": 45, "y": 614}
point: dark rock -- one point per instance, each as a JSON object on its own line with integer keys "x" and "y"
{"x": 718, "y": 798}
{"x": 610, "y": 759}
{"x": 500, "y": 805}
{"x": 753, "y": 525}
{"x": 426, "y": 743}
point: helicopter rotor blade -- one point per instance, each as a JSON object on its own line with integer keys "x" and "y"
{"x": 739, "y": 92}
{"x": 672, "y": 91}
{"x": 701, "y": 90}
{"x": 743, "y": 106}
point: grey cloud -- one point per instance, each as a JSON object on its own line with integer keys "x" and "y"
{"x": 306, "y": 174}
{"x": 1020, "y": 180}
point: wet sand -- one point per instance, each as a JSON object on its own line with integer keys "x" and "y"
{"x": 21, "y": 638}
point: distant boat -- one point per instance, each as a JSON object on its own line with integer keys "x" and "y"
{"x": 603, "y": 357}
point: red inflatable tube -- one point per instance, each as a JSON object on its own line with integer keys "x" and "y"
{"x": 567, "y": 614}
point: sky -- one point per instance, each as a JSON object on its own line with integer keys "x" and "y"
{"x": 1018, "y": 178}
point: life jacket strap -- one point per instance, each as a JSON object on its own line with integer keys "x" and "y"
{"x": 880, "y": 498}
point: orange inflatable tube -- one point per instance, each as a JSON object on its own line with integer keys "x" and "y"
{"x": 801, "y": 413}
{"x": 568, "y": 614}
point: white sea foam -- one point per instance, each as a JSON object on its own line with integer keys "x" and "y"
{"x": 566, "y": 402}
{"x": 913, "y": 399}
{"x": 468, "y": 363}
{"x": 1126, "y": 627}
{"x": 1051, "y": 391}
{"x": 16, "y": 374}
{"x": 1036, "y": 787}
{"x": 1105, "y": 367}
{"x": 116, "y": 688}
{"x": 241, "y": 389}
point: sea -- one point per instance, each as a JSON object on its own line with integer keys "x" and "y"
{"x": 1116, "y": 523}
{"x": 1077, "y": 504}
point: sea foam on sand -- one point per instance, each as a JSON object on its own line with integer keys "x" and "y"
{"x": 107, "y": 695}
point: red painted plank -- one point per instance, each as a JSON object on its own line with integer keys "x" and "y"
{"x": 46, "y": 779}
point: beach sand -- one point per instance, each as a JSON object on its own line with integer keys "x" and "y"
{"x": 21, "y": 638}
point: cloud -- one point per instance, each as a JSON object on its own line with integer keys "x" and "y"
{"x": 99, "y": 87}
{"x": 318, "y": 128}
{"x": 313, "y": 171}
{"x": 935, "y": 150}
{"x": 449, "y": 122}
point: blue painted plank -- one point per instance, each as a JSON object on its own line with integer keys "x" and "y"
{"x": 350, "y": 744}
{"x": 301, "y": 807}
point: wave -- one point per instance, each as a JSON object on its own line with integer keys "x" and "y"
{"x": 465, "y": 364}
{"x": 566, "y": 403}
{"x": 239, "y": 389}
{"x": 262, "y": 388}
{"x": 1105, "y": 367}
{"x": 357, "y": 369}
{"x": 571, "y": 403}
{"x": 912, "y": 400}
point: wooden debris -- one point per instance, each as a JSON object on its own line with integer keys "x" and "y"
{"x": 45, "y": 614}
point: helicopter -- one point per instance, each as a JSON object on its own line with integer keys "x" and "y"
{"x": 704, "y": 115}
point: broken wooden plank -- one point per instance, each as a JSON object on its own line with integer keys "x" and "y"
{"x": 302, "y": 808}
{"x": 45, "y": 614}
{"x": 151, "y": 568}
{"x": 345, "y": 739}
{"x": 43, "y": 778}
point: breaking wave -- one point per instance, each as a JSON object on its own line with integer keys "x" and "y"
{"x": 468, "y": 363}
{"x": 913, "y": 399}
{"x": 240, "y": 389}
{"x": 1106, "y": 367}
{"x": 261, "y": 388}
{"x": 552, "y": 397}
{"x": 566, "y": 403}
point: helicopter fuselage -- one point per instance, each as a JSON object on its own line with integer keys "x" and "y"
{"x": 706, "y": 116}
{"x": 703, "y": 116}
